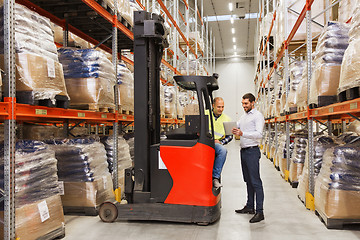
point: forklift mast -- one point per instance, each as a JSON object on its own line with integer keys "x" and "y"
{"x": 150, "y": 39}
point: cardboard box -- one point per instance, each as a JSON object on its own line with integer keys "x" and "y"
{"x": 38, "y": 219}
{"x": 337, "y": 204}
{"x": 87, "y": 194}
{"x": 327, "y": 79}
{"x": 37, "y": 73}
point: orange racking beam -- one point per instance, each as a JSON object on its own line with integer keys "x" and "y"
{"x": 170, "y": 67}
{"x": 270, "y": 30}
{"x": 176, "y": 26}
{"x": 182, "y": 17}
{"x": 186, "y": 4}
{"x": 142, "y": 6}
{"x": 199, "y": 16}
{"x": 290, "y": 37}
{"x": 110, "y": 18}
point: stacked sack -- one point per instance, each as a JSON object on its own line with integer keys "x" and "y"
{"x": 38, "y": 208}
{"x": 337, "y": 191}
{"x": 124, "y": 158}
{"x": 298, "y": 157}
{"x": 39, "y": 75}
{"x": 125, "y": 80}
{"x": 329, "y": 54}
{"x": 89, "y": 76}
{"x": 321, "y": 144}
{"x": 82, "y": 166}
{"x": 170, "y": 101}
{"x": 350, "y": 70}
{"x": 296, "y": 71}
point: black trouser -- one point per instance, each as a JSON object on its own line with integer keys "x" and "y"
{"x": 250, "y": 158}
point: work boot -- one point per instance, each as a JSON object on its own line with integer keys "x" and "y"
{"x": 257, "y": 217}
{"x": 216, "y": 183}
{"x": 245, "y": 210}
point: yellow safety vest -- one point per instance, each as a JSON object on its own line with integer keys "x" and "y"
{"x": 219, "y": 130}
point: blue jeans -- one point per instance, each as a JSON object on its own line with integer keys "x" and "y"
{"x": 250, "y": 159}
{"x": 220, "y": 157}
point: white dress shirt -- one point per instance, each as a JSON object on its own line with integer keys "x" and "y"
{"x": 252, "y": 125}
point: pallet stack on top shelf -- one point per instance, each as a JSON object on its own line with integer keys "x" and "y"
{"x": 294, "y": 96}
{"x": 95, "y": 23}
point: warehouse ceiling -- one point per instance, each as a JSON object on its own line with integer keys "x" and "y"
{"x": 244, "y": 24}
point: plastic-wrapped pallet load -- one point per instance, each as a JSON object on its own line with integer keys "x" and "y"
{"x": 337, "y": 191}
{"x": 282, "y": 153}
{"x": 350, "y": 68}
{"x": 39, "y": 75}
{"x": 170, "y": 101}
{"x": 321, "y": 144}
{"x": 346, "y": 10}
{"x": 354, "y": 127}
{"x": 125, "y": 80}
{"x": 298, "y": 158}
{"x": 83, "y": 167}
{"x": 329, "y": 54}
{"x": 129, "y": 137}
{"x": 124, "y": 158}
{"x": 302, "y": 92}
{"x": 296, "y": 71}
{"x": 90, "y": 78}
{"x": 38, "y": 208}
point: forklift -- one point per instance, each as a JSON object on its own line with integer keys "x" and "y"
{"x": 171, "y": 179}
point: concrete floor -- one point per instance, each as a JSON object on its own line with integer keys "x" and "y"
{"x": 285, "y": 216}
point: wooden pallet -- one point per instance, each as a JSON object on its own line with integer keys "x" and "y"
{"x": 324, "y": 101}
{"x": 27, "y": 97}
{"x": 56, "y": 234}
{"x": 333, "y": 223}
{"x": 125, "y": 111}
{"x": 87, "y": 211}
{"x": 301, "y": 108}
{"x": 293, "y": 184}
{"x": 349, "y": 94}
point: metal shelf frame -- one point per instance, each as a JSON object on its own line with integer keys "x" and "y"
{"x": 328, "y": 118}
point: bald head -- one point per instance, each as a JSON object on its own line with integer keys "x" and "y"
{"x": 218, "y": 106}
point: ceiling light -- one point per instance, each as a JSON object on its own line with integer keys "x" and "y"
{"x": 234, "y": 46}
{"x": 234, "y": 40}
{"x": 232, "y": 20}
{"x": 232, "y": 30}
{"x": 230, "y": 7}
{"x": 235, "y": 53}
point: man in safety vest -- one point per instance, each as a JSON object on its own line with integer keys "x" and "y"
{"x": 220, "y": 139}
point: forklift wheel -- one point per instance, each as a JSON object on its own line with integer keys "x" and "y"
{"x": 203, "y": 223}
{"x": 108, "y": 212}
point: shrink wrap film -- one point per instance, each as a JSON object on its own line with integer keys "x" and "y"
{"x": 124, "y": 158}
{"x": 354, "y": 127}
{"x": 327, "y": 62}
{"x": 337, "y": 188}
{"x": 350, "y": 70}
{"x": 37, "y": 64}
{"x": 83, "y": 167}
{"x": 126, "y": 88}
{"x": 39, "y": 219}
{"x": 298, "y": 157}
{"x": 183, "y": 101}
{"x": 321, "y": 144}
{"x": 89, "y": 76}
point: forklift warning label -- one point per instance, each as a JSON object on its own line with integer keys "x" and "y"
{"x": 161, "y": 163}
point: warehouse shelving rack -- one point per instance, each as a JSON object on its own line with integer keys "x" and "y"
{"x": 334, "y": 116}
{"x": 112, "y": 33}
